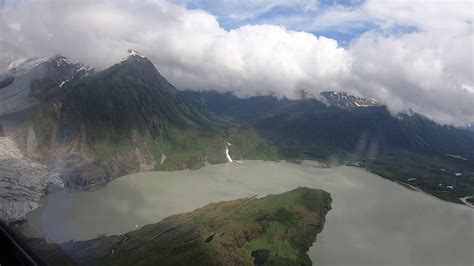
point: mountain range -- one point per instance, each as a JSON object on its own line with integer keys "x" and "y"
{"x": 92, "y": 126}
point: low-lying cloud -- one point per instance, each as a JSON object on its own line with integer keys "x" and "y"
{"x": 427, "y": 69}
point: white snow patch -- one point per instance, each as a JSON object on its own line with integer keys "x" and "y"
{"x": 16, "y": 63}
{"x": 86, "y": 68}
{"x": 63, "y": 61}
{"x": 457, "y": 174}
{"x": 455, "y": 156}
{"x": 133, "y": 53}
{"x": 24, "y": 65}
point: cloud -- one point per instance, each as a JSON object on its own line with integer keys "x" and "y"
{"x": 410, "y": 58}
{"x": 428, "y": 69}
{"x": 416, "y": 71}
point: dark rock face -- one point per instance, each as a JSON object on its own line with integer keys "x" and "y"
{"x": 275, "y": 229}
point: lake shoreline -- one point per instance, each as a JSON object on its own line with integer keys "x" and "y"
{"x": 144, "y": 198}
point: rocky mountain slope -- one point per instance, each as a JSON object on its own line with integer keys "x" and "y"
{"x": 29, "y": 82}
{"x": 273, "y": 230}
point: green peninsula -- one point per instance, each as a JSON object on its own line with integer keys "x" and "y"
{"x": 273, "y": 230}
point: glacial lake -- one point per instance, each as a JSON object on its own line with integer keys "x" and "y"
{"x": 373, "y": 221}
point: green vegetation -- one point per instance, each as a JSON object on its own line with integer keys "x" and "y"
{"x": 444, "y": 177}
{"x": 105, "y": 144}
{"x": 193, "y": 148}
{"x": 247, "y": 144}
{"x": 44, "y": 124}
{"x": 282, "y": 226}
{"x": 187, "y": 148}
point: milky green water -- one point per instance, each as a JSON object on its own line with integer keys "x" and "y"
{"x": 373, "y": 221}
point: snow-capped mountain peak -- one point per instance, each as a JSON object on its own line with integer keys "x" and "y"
{"x": 24, "y": 64}
{"x": 29, "y": 80}
{"x": 134, "y": 53}
{"x": 345, "y": 100}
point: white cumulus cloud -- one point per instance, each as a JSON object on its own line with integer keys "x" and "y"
{"x": 413, "y": 58}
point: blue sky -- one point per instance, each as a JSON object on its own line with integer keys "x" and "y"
{"x": 294, "y": 15}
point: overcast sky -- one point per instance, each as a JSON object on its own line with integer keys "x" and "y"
{"x": 414, "y": 54}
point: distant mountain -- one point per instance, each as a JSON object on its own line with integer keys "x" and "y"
{"x": 340, "y": 125}
{"x": 406, "y": 147}
{"x": 228, "y": 106}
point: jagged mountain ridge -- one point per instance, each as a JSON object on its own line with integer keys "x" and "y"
{"x": 345, "y": 100}
{"x": 26, "y": 83}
